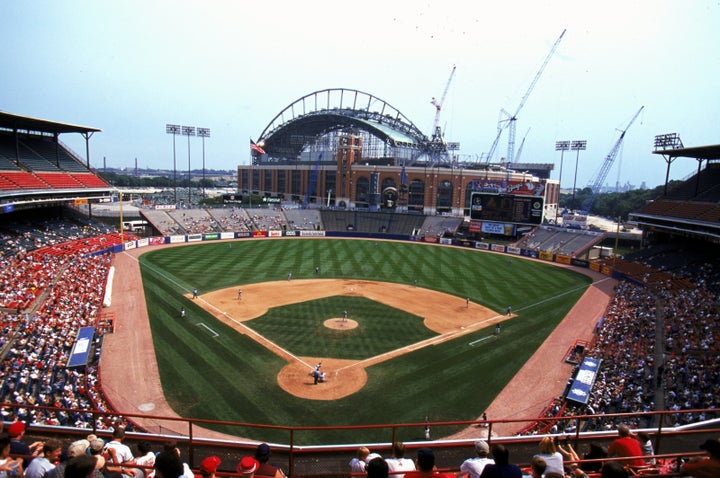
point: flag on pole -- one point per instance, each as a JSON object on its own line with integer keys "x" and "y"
{"x": 403, "y": 175}
{"x": 255, "y": 147}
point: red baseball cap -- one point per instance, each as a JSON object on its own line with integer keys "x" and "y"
{"x": 16, "y": 429}
{"x": 247, "y": 465}
{"x": 210, "y": 464}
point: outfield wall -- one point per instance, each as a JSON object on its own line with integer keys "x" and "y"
{"x": 486, "y": 246}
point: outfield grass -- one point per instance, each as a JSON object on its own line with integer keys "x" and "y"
{"x": 230, "y": 377}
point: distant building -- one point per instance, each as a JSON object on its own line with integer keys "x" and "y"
{"x": 345, "y": 180}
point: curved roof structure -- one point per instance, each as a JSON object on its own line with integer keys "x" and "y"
{"x": 300, "y": 124}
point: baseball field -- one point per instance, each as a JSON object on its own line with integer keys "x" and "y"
{"x": 405, "y": 332}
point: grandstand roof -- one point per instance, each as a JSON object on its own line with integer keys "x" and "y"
{"x": 27, "y": 123}
{"x": 698, "y": 152}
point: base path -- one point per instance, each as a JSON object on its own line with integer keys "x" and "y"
{"x": 131, "y": 381}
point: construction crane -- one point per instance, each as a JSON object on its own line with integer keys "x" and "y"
{"x": 520, "y": 148}
{"x": 596, "y": 184}
{"x": 510, "y": 119}
{"x": 437, "y": 134}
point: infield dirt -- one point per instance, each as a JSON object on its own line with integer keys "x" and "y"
{"x": 449, "y": 316}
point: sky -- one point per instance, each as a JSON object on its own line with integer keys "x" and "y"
{"x": 131, "y": 67}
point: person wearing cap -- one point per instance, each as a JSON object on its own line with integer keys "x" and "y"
{"x": 247, "y": 466}
{"x": 502, "y": 468}
{"x": 426, "y": 466}
{"x": 704, "y": 467}
{"x": 46, "y": 461}
{"x": 16, "y": 431}
{"x": 398, "y": 462}
{"x": 626, "y": 446}
{"x": 474, "y": 466}
{"x": 262, "y": 455}
{"x": 208, "y": 467}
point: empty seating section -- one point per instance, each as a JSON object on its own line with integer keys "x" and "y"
{"x": 701, "y": 211}
{"x": 7, "y": 148}
{"x": 407, "y": 223}
{"x": 371, "y": 222}
{"x": 440, "y": 225}
{"x": 6, "y": 184}
{"x": 89, "y": 180}
{"x": 7, "y": 164}
{"x": 569, "y": 242}
{"x": 55, "y": 154}
{"x": 698, "y": 187}
{"x": 40, "y": 163}
{"x": 25, "y": 180}
{"x": 161, "y": 221}
{"x": 17, "y": 179}
{"x": 34, "y": 162}
{"x": 303, "y": 219}
{"x": 59, "y": 180}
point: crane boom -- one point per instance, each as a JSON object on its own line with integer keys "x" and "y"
{"x": 596, "y": 185}
{"x": 513, "y": 118}
{"x": 437, "y": 134}
{"x": 510, "y": 120}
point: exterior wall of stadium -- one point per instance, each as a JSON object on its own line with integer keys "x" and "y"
{"x": 428, "y": 190}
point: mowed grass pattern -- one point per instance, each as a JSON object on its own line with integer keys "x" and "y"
{"x": 230, "y": 377}
{"x": 377, "y": 331}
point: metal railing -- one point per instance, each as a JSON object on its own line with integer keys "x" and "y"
{"x": 198, "y": 438}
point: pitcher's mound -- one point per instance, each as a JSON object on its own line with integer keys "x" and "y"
{"x": 340, "y": 324}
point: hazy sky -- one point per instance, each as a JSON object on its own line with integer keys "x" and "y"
{"x": 131, "y": 67}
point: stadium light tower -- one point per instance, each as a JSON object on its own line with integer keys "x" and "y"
{"x": 189, "y": 131}
{"x": 203, "y": 133}
{"x": 577, "y": 145}
{"x": 666, "y": 143}
{"x": 561, "y": 146}
{"x": 173, "y": 129}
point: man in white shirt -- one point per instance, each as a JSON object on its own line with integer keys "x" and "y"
{"x": 398, "y": 462}
{"x": 474, "y": 466}
{"x": 120, "y": 454}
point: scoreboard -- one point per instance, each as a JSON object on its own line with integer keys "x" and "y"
{"x": 506, "y": 208}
